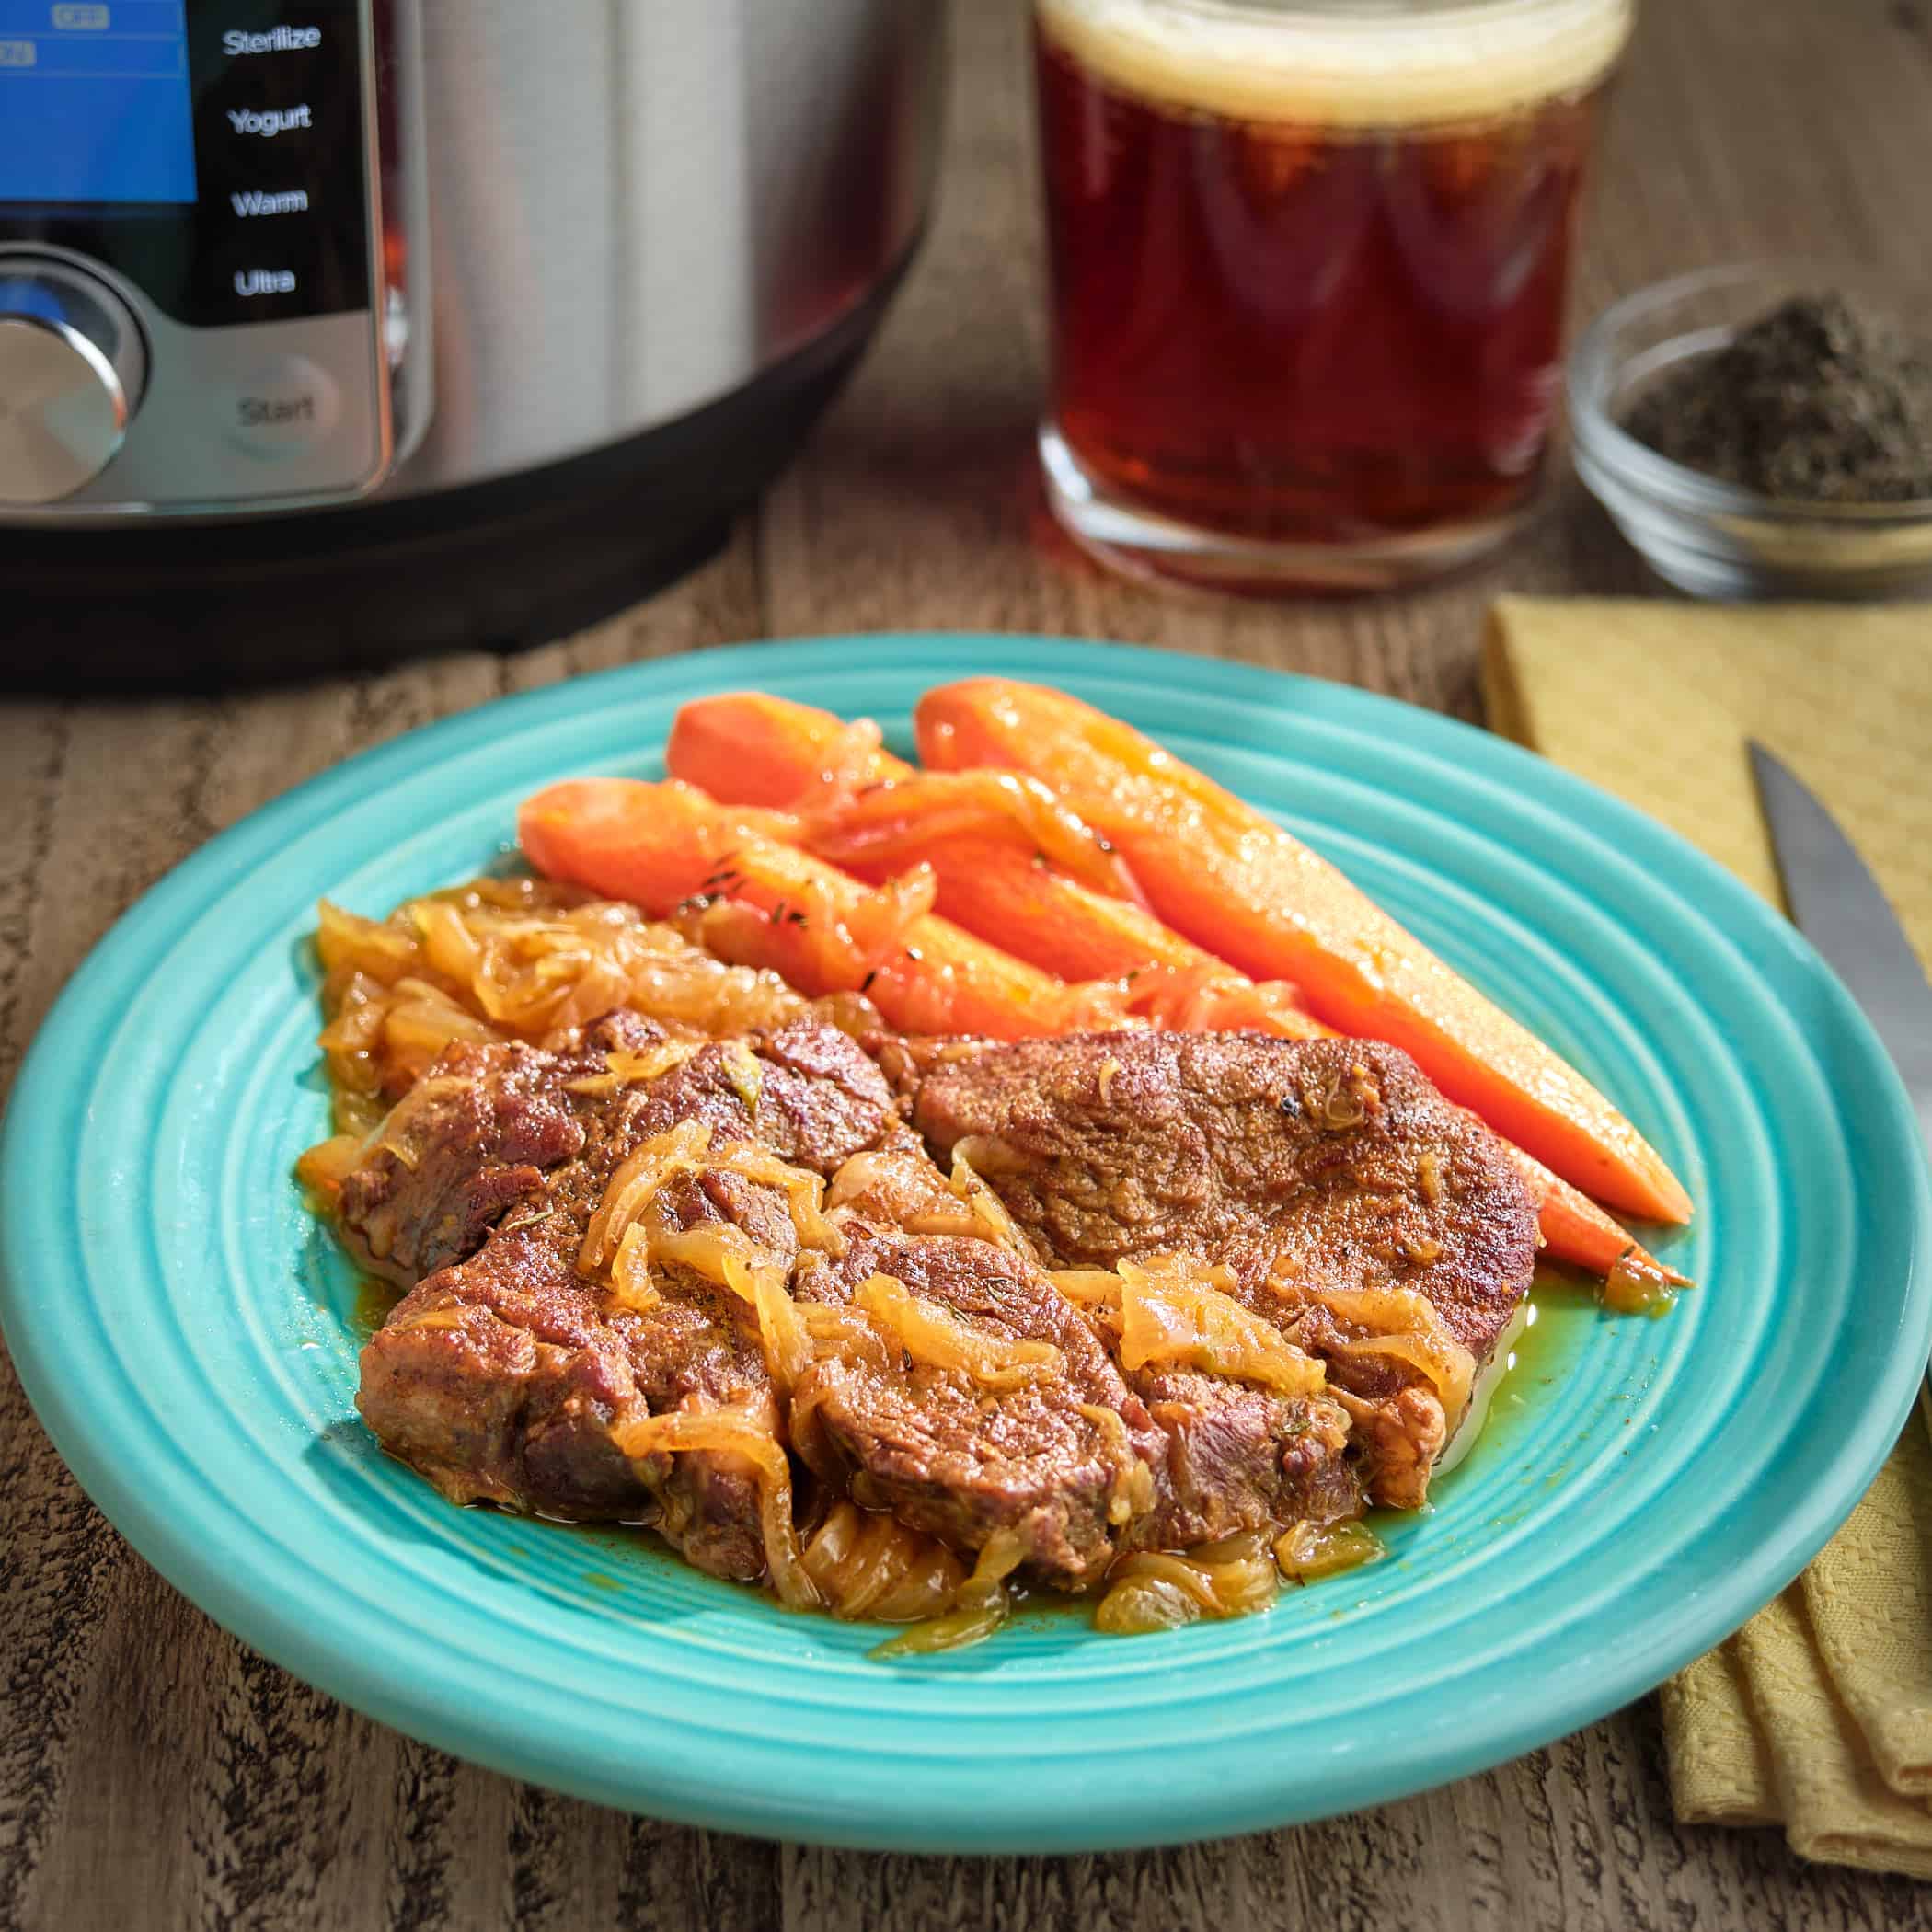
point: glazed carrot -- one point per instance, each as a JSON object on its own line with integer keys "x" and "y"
{"x": 1577, "y": 1231}
{"x": 754, "y": 749}
{"x": 660, "y": 847}
{"x": 860, "y": 807}
{"x": 1230, "y": 879}
{"x": 748, "y": 748}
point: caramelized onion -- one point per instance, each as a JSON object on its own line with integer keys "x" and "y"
{"x": 526, "y": 960}
{"x": 985, "y": 1212}
{"x": 1174, "y": 1309}
{"x": 869, "y": 1566}
{"x": 934, "y": 1335}
{"x": 450, "y": 1315}
{"x": 1137, "y": 1606}
{"x": 981, "y": 1606}
{"x": 731, "y": 1432}
{"x": 347, "y": 943}
{"x": 326, "y": 1166}
{"x": 449, "y": 944}
{"x": 633, "y": 1066}
{"x": 1304, "y": 1552}
{"x": 745, "y": 1073}
{"x": 1407, "y": 1326}
{"x": 1090, "y": 1287}
{"x": 1158, "y": 1589}
{"x": 678, "y": 1150}
{"x": 631, "y": 1285}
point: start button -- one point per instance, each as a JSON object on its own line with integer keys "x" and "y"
{"x": 280, "y": 407}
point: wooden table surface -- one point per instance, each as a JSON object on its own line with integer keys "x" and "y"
{"x": 155, "y": 1773}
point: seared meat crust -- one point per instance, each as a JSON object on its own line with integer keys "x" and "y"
{"x": 1330, "y": 1162}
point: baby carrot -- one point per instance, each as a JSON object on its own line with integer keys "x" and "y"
{"x": 750, "y": 748}
{"x": 663, "y": 846}
{"x": 754, "y": 749}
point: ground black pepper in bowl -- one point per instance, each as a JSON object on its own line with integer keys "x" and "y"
{"x": 1822, "y": 400}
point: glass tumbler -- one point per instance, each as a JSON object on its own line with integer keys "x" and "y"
{"x": 1310, "y": 262}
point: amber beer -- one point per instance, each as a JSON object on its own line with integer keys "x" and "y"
{"x": 1309, "y": 271}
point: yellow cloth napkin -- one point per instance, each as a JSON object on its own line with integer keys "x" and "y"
{"x": 1818, "y": 1714}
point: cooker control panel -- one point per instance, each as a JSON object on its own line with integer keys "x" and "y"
{"x": 205, "y": 234}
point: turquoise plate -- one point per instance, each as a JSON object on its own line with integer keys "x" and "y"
{"x": 189, "y": 1336}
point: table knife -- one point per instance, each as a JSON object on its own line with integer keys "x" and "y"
{"x": 1838, "y": 905}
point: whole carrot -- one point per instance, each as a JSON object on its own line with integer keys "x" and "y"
{"x": 1229, "y": 878}
{"x": 753, "y": 749}
{"x": 873, "y": 813}
{"x": 666, "y": 847}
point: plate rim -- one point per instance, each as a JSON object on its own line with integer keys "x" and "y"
{"x": 277, "y": 1631}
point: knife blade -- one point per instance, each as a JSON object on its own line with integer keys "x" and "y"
{"x": 1842, "y": 910}
{"x": 1838, "y": 905}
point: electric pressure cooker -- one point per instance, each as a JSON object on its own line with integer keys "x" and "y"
{"x": 335, "y": 328}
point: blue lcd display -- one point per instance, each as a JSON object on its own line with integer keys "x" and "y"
{"x": 94, "y": 101}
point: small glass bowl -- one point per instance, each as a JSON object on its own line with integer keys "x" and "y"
{"x": 1712, "y": 538}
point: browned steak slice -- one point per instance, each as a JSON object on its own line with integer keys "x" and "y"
{"x": 1053, "y": 1461}
{"x": 500, "y": 1379}
{"x": 486, "y": 1124}
{"x": 1305, "y": 1166}
{"x": 474, "y": 1137}
{"x": 1242, "y": 1459}
{"x": 814, "y": 1097}
{"x": 1335, "y": 1158}
{"x": 501, "y": 1376}
{"x": 1228, "y": 1456}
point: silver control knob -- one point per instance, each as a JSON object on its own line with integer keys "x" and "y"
{"x": 73, "y": 366}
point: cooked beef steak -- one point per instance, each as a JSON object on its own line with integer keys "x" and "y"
{"x": 483, "y": 1129}
{"x": 486, "y": 1124}
{"x": 1224, "y": 1457}
{"x": 502, "y": 1375}
{"x": 1046, "y": 1461}
{"x": 1240, "y": 1458}
{"x": 501, "y": 1378}
{"x": 1335, "y": 1154}
{"x": 1302, "y": 1165}
{"x": 818, "y": 1098}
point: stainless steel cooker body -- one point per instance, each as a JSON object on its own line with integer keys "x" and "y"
{"x": 637, "y": 205}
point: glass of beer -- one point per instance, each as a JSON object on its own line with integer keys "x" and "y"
{"x": 1310, "y": 260}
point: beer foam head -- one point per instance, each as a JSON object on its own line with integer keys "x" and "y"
{"x": 1343, "y": 63}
